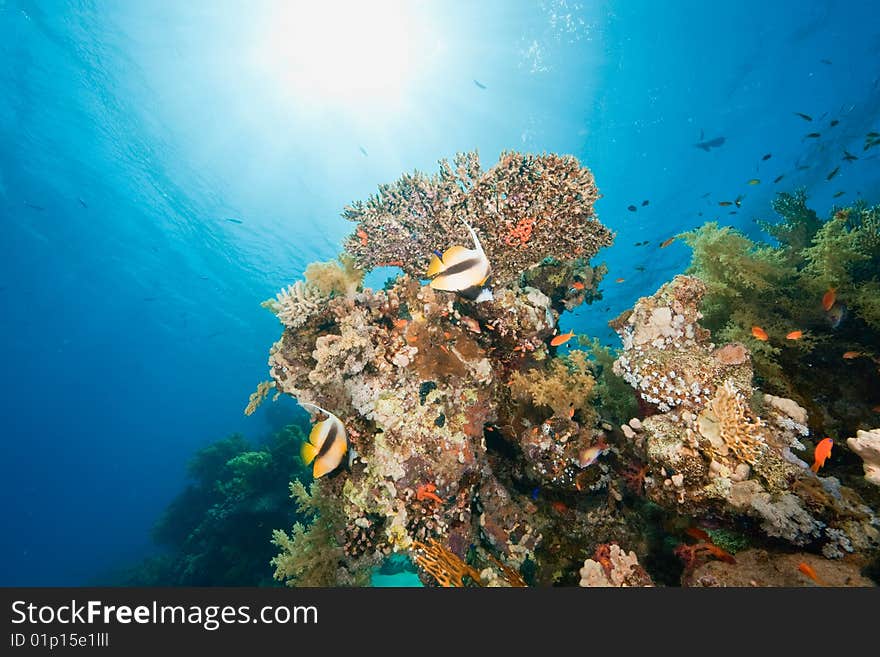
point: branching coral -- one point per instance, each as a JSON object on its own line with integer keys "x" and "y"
{"x": 310, "y": 555}
{"x": 444, "y": 565}
{"x": 525, "y": 208}
{"x": 258, "y": 396}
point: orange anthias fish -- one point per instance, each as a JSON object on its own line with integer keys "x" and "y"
{"x": 829, "y": 298}
{"x": 577, "y": 285}
{"x": 562, "y": 338}
{"x": 795, "y": 335}
{"x": 807, "y": 570}
{"x": 620, "y": 280}
{"x": 666, "y": 243}
{"x": 760, "y": 334}
{"x": 849, "y": 355}
{"x": 823, "y": 451}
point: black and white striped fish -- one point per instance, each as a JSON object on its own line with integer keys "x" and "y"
{"x": 462, "y": 270}
{"x": 327, "y": 442}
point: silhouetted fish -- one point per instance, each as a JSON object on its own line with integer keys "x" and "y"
{"x": 805, "y": 117}
{"x": 812, "y": 135}
{"x": 479, "y": 84}
{"x": 849, "y": 157}
{"x": 832, "y": 174}
{"x": 825, "y": 61}
{"x": 82, "y": 203}
{"x": 767, "y": 157}
{"x": 363, "y": 150}
{"x": 706, "y": 195}
{"x": 639, "y": 268}
{"x": 839, "y": 194}
{"x": 834, "y": 122}
{"x": 644, "y": 203}
{"x": 712, "y": 143}
{"x": 778, "y": 178}
{"x": 234, "y": 221}
{"x": 631, "y": 208}
{"x": 40, "y": 208}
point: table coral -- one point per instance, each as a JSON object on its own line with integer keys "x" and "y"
{"x": 525, "y": 208}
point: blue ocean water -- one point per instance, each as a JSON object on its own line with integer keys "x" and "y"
{"x": 164, "y": 167}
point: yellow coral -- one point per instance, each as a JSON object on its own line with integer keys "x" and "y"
{"x": 257, "y": 397}
{"x": 728, "y": 424}
{"x": 443, "y": 565}
{"x": 565, "y": 385}
{"x": 336, "y": 277}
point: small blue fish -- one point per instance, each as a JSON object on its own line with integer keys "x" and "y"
{"x": 535, "y": 492}
{"x": 479, "y": 84}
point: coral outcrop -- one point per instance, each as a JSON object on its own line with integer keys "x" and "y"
{"x": 715, "y": 445}
{"x": 424, "y": 379}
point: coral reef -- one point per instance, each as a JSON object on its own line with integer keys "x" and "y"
{"x": 716, "y": 446}
{"x": 830, "y": 368}
{"x": 214, "y": 533}
{"x": 426, "y": 380}
{"x": 867, "y": 445}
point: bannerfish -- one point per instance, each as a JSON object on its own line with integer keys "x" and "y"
{"x": 462, "y": 270}
{"x": 821, "y": 454}
{"x": 327, "y": 443}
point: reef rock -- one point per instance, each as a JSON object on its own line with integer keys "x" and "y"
{"x": 612, "y": 567}
{"x": 710, "y": 451}
{"x": 762, "y": 568}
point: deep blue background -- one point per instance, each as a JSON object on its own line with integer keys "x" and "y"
{"x": 131, "y": 332}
